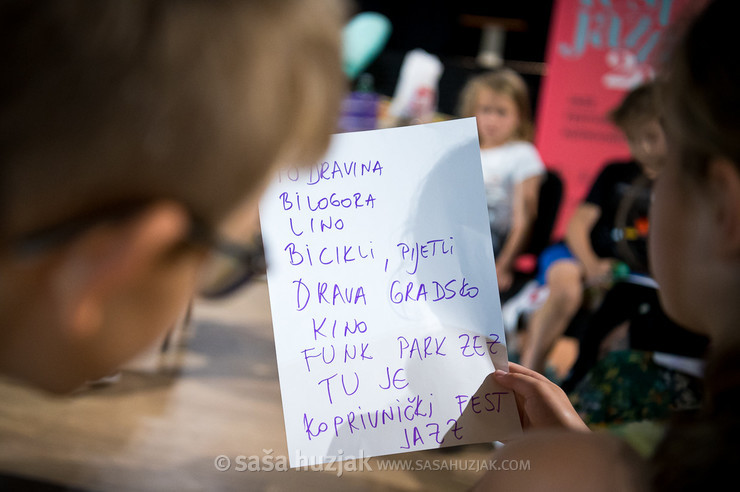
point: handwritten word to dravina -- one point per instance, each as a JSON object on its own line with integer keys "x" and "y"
{"x": 384, "y": 297}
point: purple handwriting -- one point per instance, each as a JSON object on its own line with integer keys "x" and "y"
{"x": 430, "y": 249}
{"x": 316, "y": 226}
{"x": 321, "y": 328}
{"x": 474, "y": 345}
{"x": 334, "y": 200}
{"x": 329, "y": 294}
{"x": 328, "y": 354}
{"x": 492, "y": 402}
{"x": 436, "y": 291}
{"x": 414, "y": 347}
{"x": 406, "y": 410}
{"x": 337, "y": 255}
{"x": 335, "y": 170}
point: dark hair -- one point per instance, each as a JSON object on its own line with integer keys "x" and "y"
{"x": 640, "y": 104}
{"x": 108, "y": 102}
{"x": 702, "y": 119}
{"x": 700, "y": 90}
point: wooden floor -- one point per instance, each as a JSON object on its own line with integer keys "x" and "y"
{"x": 162, "y": 426}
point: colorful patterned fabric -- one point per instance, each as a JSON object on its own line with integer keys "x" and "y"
{"x": 627, "y": 386}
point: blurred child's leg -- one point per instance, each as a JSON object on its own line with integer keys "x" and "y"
{"x": 564, "y": 279}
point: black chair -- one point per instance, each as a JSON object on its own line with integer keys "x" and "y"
{"x": 548, "y": 206}
{"x": 650, "y": 330}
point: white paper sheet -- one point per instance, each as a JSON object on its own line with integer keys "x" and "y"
{"x": 384, "y": 298}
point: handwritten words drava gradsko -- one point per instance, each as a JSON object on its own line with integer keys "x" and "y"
{"x": 341, "y": 345}
{"x": 382, "y": 291}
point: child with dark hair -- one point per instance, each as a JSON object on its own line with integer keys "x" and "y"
{"x": 587, "y": 257}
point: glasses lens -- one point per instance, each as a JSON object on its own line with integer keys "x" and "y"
{"x": 229, "y": 267}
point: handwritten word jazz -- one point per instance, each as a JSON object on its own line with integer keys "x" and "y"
{"x": 433, "y": 429}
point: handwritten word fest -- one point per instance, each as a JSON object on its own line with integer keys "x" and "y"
{"x": 383, "y": 294}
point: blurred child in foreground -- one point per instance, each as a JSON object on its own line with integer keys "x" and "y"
{"x": 136, "y": 136}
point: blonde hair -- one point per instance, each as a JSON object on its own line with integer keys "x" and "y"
{"x": 120, "y": 101}
{"x": 503, "y": 81}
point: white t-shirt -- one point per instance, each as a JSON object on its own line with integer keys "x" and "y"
{"x": 503, "y": 168}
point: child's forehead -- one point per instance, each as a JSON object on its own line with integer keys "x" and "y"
{"x": 488, "y": 92}
{"x": 639, "y": 126}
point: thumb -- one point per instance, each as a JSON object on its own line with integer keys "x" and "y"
{"x": 521, "y": 384}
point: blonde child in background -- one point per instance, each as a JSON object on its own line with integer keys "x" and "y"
{"x": 512, "y": 167}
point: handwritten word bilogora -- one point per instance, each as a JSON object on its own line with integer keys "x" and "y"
{"x": 326, "y": 202}
{"x": 358, "y": 267}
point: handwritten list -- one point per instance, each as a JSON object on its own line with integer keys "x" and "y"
{"x": 384, "y": 296}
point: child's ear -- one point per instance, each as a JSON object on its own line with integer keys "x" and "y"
{"x": 724, "y": 181}
{"x": 110, "y": 258}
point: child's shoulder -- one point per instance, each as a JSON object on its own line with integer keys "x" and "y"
{"x": 521, "y": 146}
{"x": 566, "y": 460}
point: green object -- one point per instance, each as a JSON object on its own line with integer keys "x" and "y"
{"x": 620, "y": 270}
{"x": 364, "y": 37}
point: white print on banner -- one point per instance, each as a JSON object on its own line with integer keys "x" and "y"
{"x": 627, "y": 36}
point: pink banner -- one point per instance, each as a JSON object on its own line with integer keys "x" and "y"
{"x": 597, "y": 50}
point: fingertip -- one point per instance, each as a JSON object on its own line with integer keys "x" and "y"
{"x": 505, "y": 378}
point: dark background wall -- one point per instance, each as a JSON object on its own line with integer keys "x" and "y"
{"x": 436, "y": 27}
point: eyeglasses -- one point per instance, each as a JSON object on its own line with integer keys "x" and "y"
{"x": 227, "y": 267}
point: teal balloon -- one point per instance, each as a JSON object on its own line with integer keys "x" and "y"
{"x": 364, "y": 37}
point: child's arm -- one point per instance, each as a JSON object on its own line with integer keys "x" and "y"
{"x": 524, "y": 211}
{"x": 578, "y": 238}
